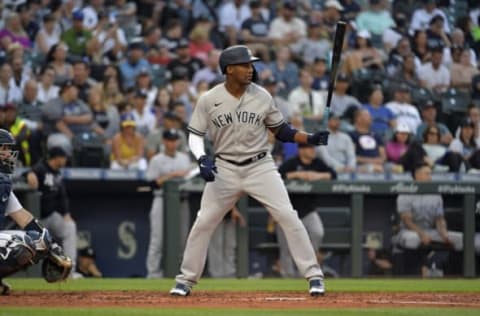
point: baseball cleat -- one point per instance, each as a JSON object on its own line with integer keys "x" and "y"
{"x": 316, "y": 287}
{"x": 4, "y": 288}
{"x": 180, "y": 290}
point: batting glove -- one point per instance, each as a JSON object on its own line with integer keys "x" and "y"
{"x": 207, "y": 168}
{"x": 318, "y": 138}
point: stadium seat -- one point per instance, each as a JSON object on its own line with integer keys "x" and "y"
{"x": 454, "y": 100}
{"x": 420, "y": 96}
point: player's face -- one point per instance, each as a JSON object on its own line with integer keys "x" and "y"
{"x": 241, "y": 73}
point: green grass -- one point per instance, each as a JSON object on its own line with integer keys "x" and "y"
{"x": 229, "y": 312}
{"x": 333, "y": 285}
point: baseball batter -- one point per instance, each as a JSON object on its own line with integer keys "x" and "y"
{"x": 237, "y": 115}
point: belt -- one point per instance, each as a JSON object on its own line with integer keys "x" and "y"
{"x": 247, "y": 161}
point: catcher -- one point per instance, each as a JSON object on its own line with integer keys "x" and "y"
{"x": 21, "y": 249}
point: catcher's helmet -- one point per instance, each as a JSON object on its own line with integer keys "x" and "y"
{"x": 237, "y": 54}
{"x": 8, "y": 153}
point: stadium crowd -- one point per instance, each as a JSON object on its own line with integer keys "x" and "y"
{"x": 105, "y": 79}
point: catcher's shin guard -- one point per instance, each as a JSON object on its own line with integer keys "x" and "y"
{"x": 16, "y": 252}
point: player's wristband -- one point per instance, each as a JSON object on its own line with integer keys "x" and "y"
{"x": 286, "y": 133}
{"x": 34, "y": 225}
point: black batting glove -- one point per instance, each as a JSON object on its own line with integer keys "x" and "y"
{"x": 207, "y": 168}
{"x": 318, "y": 138}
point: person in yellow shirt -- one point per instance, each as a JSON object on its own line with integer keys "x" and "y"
{"x": 128, "y": 147}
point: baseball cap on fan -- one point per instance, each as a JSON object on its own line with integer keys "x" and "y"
{"x": 334, "y": 4}
{"x": 171, "y": 134}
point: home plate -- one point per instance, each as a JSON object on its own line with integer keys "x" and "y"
{"x": 285, "y": 298}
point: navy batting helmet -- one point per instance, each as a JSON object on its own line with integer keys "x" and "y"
{"x": 8, "y": 154}
{"x": 233, "y": 55}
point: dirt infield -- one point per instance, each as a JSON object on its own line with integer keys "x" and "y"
{"x": 237, "y": 299}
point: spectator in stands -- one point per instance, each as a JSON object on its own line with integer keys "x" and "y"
{"x": 375, "y": 20}
{"x": 383, "y": 117}
{"x": 161, "y": 104}
{"x": 67, "y": 116}
{"x": 133, "y": 65}
{"x": 231, "y": 15}
{"x": 179, "y": 92}
{"x": 173, "y": 35}
{"x": 369, "y": 148}
{"x": 462, "y": 73}
{"x": 407, "y": 72}
{"x": 48, "y": 35}
{"x": 341, "y": 100}
{"x": 285, "y": 71}
{"x": 331, "y": 14}
{"x": 128, "y": 146}
{"x": 315, "y": 46}
{"x": 78, "y": 39}
{"x": 211, "y": 71}
{"x": 436, "y": 36}
{"x": 351, "y": 8}
{"x": 152, "y": 36}
{"x": 434, "y": 149}
{"x": 420, "y": 46}
{"x": 286, "y": 30}
{"x": 429, "y": 116}
{"x": 81, "y": 79}
{"x": 46, "y": 88}
{"x": 422, "y": 218}
{"x": 29, "y": 24}
{"x": 142, "y": 115}
{"x": 111, "y": 91}
{"x": 364, "y": 55}
{"x": 319, "y": 74}
{"x": 13, "y": 32}
{"x": 465, "y": 144}
{"x": 46, "y": 177}
{"x": 184, "y": 63}
{"x": 144, "y": 83}
{"x": 473, "y": 114}
{"x": 271, "y": 85}
{"x": 125, "y": 13}
{"x": 91, "y": 14}
{"x": 200, "y": 45}
{"x": 106, "y": 120}
{"x": 20, "y": 73}
{"x": 398, "y": 54}
{"x": 305, "y": 166}
{"x": 422, "y": 16}
{"x": 164, "y": 166}
{"x": 111, "y": 41}
{"x": 255, "y": 30}
{"x": 9, "y": 92}
{"x": 339, "y": 154}
{"x": 154, "y": 142}
{"x": 434, "y": 74}
{"x": 398, "y": 145}
{"x": 306, "y": 101}
{"x": 404, "y": 112}
{"x": 458, "y": 40}
{"x": 56, "y": 58}
{"x": 395, "y": 33}
{"x": 20, "y": 131}
{"x": 30, "y": 110}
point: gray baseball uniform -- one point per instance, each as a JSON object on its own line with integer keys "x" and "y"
{"x": 425, "y": 209}
{"x": 238, "y": 129}
{"x": 160, "y": 165}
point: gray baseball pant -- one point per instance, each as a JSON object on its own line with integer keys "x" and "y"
{"x": 262, "y": 182}
{"x": 314, "y": 226}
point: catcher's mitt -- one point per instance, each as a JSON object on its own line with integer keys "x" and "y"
{"x": 56, "y": 266}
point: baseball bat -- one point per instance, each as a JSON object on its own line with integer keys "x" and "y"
{"x": 337, "y": 52}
